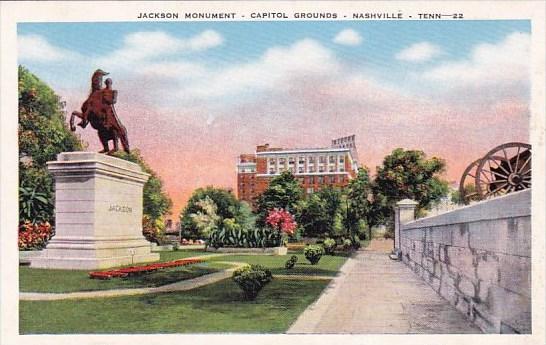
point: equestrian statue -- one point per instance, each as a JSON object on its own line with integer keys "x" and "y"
{"x": 98, "y": 110}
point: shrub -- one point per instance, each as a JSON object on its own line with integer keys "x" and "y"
{"x": 251, "y": 279}
{"x": 347, "y": 244}
{"x": 34, "y": 236}
{"x": 313, "y": 253}
{"x": 329, "y": 246}
{"x": 291, "y": 262}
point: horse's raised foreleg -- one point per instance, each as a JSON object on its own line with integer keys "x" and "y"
{"x": 74, "y": 115}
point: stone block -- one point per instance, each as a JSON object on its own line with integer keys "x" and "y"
{"x": 489, "y": 235}
{"x": 429, "y": 249}
{"x": 510, "y": 307}
{"x": 515, "y": 274}
{"x": 518, "y": 241}
{"x": 487, "y": 267}
{"x": 463, "y": 260}
{"x": 467, "y": 287}
{"x": 460, "y": 234}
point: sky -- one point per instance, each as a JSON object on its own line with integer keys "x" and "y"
{"x": 194, "y": 95}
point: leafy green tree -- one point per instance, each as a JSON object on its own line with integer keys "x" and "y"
{"x": 227, "y": 206}
{"x": 157, "y": 202}
{"x": 283, "y": 192}
{"x": 317, "y": 214}
{"x": 357, "y": 209}
{"x": 407, "y": 174}
{"x": 206, "y": 219}
{"x": 43, "y": 133}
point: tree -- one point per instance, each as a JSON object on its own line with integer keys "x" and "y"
{"x": 283, "y": 192}
{"x": 43, "y": 134}
{"x": 407, "y": 174}
{"x": 227, "y": 206}
{"x": 317, "y": 214}
{"x": 358, "y": 204}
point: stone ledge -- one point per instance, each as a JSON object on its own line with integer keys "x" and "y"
{"x": 512, "y": 205}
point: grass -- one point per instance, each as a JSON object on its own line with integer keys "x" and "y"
{"x": 49, "y": 280}
{"x": 328, "y": 265}
{"x": 216, "y": 308}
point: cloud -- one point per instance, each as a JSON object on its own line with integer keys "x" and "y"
{"x": 144, "y": 45}
{"x": 37, "y": 48}
{"x": 489, "y": 64}
{"x": 419, "y": 52}
{"x": 348, "y": 37}
{"x": 273, "y": 71}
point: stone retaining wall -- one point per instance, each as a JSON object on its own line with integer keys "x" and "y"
{"x": 478, "y": 258}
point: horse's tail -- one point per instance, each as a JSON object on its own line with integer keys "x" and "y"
{"x": 124, "y": 139}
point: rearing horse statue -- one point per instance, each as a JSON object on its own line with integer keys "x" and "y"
{"x": 99, "y": 111}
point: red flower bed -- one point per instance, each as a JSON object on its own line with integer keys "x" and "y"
{"x": 124, "y": 272}
{"x": 34, "y": 236}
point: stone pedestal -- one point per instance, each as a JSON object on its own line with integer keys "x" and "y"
{"x": 404, "y": 212}
{"x": 98, "y": 213}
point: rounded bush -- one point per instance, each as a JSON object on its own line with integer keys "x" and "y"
{"x": 313, "y": 253}
{"x": 251, "y": 279}
{"x": 329, "y": 246}
{"x": 291, "y": 262}
{"x": 347, "y": 244}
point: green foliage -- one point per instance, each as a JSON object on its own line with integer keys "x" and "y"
{"x": 251, "y": 279}
{"x": 347, "y": 244}
{"x": 329, "y": 245}
{"x": 291, "y": 262}
{"x": 157, "y": 203}
{"x": 43, "y": 134}
{"x": 406, "y": 174}
{"x": 358, "y": 208}
{"x": 35, "y": 206}
{"x": 313, "y": 253}
{"x": 227, "y": 206}
{"x": 317, "y": 214}
{"x": 283, "y": 192}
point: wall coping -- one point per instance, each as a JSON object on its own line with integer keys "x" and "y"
{"x": 516, "y": 204}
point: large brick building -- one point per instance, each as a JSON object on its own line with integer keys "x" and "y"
{"x": 313, "y": 167}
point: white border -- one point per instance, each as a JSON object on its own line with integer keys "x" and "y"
{"x": 11, "y": 13}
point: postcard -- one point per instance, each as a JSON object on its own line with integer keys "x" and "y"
{"x": 240, "y": 172}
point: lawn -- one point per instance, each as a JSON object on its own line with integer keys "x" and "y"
{"x": 49, "y": 280}
{"x": 217, "y": 307}
{"x": 328, "y": 265}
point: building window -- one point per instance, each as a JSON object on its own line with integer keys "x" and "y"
{"x": 342, "y": 168}
{"x": 320, "y": 180}
{"x": 311, "y": 169}
{"x": 272, "y": 161}
{"x": 300, "y": 170}
{"x": 332, "y": 169}
{"x": 322, "y": 159}
{"x": 332, "y": 159}
{"x": 310, "y": 190}
{"x": 311, "y": 179}
{"x": 302, "y": 160}
{"x": 282, "y": 160}
{"x": 321, "y": 169}
{"x": 311, "y": 159}
{"x": 341, "y": 159}
{"x": 271, "y": 171}
{"x": 291, "y": 160}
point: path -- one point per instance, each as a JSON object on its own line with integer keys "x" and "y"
{"x": 183, "y": 285}
{"x": 373, "y": 294}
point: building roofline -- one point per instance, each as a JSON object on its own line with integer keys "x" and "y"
{"x": 289, "y": 151}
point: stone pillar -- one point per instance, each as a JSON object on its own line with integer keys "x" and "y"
{"x": 98, "y": 213}
{"x": 404, "y": 212}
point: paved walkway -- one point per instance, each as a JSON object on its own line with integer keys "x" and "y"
{"x": 373, "y": 294}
